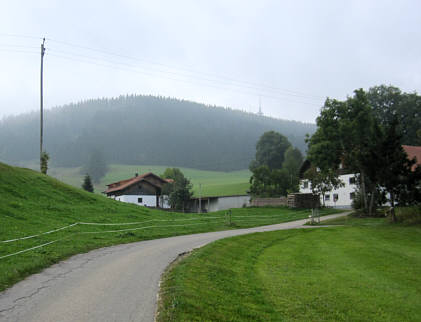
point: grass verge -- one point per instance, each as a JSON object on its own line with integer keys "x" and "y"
{"x": 368, "y": 270}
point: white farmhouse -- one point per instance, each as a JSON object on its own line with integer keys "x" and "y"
{"x": 142, "y": 190}
{"x": 343, "y": 196}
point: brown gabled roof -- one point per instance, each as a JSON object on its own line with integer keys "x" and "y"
{"x": 120, "y": 185}
{"x": 413, "y": 152}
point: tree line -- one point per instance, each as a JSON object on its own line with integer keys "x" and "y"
{"x": 136, "y": 129}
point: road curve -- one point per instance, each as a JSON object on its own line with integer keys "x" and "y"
{"x": 118, "y": 283}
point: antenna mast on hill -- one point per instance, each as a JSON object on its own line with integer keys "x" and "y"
{"x": 260, "y": 107}
{"x": 41, "y": 104}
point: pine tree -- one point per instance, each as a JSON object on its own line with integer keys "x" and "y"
{"x": 87, "y": 184}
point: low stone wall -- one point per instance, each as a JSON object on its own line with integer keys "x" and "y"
{"x": 263, "y": 202}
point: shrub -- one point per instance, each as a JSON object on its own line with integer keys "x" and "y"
{"x": 408, "y": 215}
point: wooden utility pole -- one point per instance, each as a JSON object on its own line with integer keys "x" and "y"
{"x": 41, "y": 104}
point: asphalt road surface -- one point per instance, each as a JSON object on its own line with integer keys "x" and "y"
{"x": 118, "y": 283}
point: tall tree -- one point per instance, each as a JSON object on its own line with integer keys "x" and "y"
{"x": 292, "y": 163}
{"x": 346, "y": 134}
{"x": 396, "y": 176}
{"x": 269, "y": 183}
{"x": 389, "y": 102}
{"x": 179, "y": 191}
{"x": 270, "y": 150}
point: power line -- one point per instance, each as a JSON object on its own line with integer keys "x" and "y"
{"x": 255, "y": 85}
{"x": 18, "y": 46}
{"x": 195, "y": 82}
{"x": 219, "y": 78}
{"x": 18, "y": 51}
{"x": 240, "y": 86}
{"x": 95, "y": 59}
{"x": 20, "y": 36}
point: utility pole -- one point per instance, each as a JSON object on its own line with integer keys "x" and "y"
{"x": 41, "y": 104}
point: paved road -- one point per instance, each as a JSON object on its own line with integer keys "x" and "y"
{"x": 118, "y": 283}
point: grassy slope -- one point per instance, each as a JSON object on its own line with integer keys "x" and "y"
{"x": 369, "y": 271}
{"x": 31, "y": 203}
{"x": 213, "y": 182}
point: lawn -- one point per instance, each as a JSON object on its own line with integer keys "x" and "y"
{"x": 367, "y": 271}
{"x": 214, "y": 183}
{"x": 31, "y": 204}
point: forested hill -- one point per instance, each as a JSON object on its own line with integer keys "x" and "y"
{"x": 144, "y": 130}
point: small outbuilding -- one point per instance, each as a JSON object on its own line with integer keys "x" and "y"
{"x": 215, "y": 203}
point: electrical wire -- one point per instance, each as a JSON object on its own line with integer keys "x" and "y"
{"x": 255, "y": 85}
{"x": 195, "y": 82}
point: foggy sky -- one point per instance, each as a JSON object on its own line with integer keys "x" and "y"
{"x": 293, "y": 54}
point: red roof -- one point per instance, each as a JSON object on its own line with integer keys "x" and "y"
{"x": 120, "y": 185}
{"x": 413, "y": 152}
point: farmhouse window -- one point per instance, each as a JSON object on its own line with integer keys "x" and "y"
{"x": 352, "y": 195}
{"x": 352, "y": 180}
{"x": 139, "y": 200}
{"x": 335, "y": 197}
{"x": 327, "y": 197}
{"x": 305, "y": 184}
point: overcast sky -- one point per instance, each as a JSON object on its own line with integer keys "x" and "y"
{"x": 293, "y": 54}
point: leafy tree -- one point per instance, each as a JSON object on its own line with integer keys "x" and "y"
{"x": 292, "y": 162}
{"x": 322, "y": 181}
{"x": 389, "y": 102}
{"x": 275, "y": 169}
{"x": 346, "y": 134}
{"x": 269, "y": 183}
{"x": 173, "y": 173}
{"x": 87, "y": 184}
{"x": 44, "y": 162}
{"x": 396, "y": 176}
{"x": 179, "y": 191}
{"x": 96, "y": 166}
{"x": 367, "y": 140}
{"x": 270, "y": 150}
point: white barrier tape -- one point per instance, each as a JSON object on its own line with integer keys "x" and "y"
{"x": 139, "y": 228}
{"x": 27, "y": 250}
{"x": 114, "y": 231}
{"x": 136, "y": 223}
{"x": 142, "y": 222}
{"x": 274, "y": 216}
{"x": 33, "y": 236}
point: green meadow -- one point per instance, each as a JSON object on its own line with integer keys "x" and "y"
{"x": 212, "y": 183}
{"x": 361, "y": 270}
{"x": 33, "y": 204}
